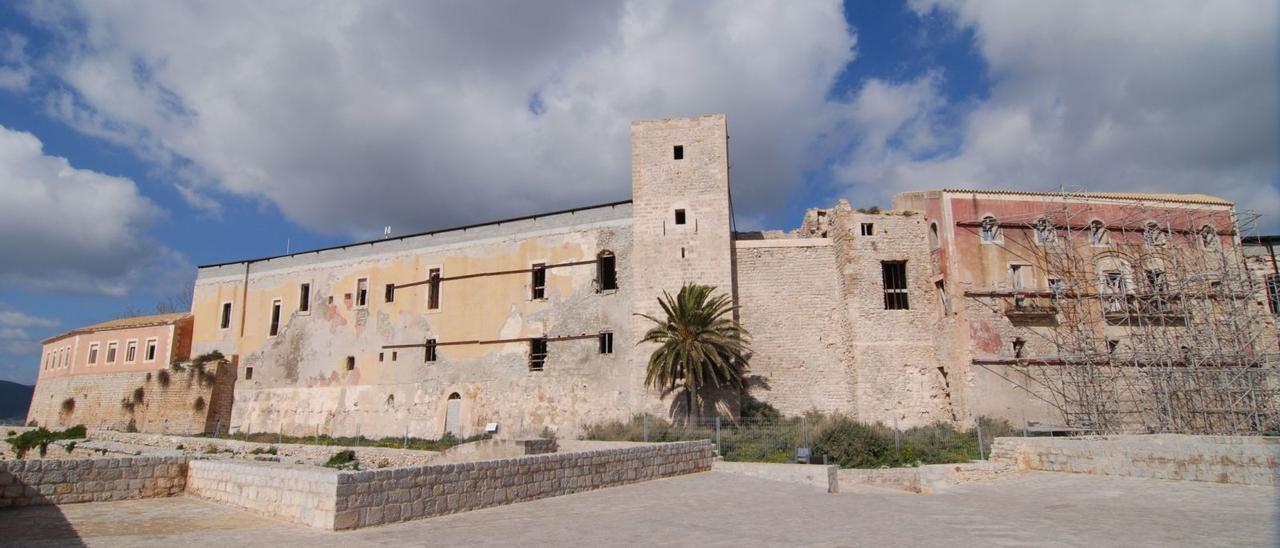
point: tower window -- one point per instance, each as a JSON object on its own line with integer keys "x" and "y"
{"x": 275, "y": 318}
{"x": 537, "y": 354}
{"x": 351, "y": 363}
{"x": 390, "y": 294}
{"x": 868, "y": 229}
{"x": 607, "y": 270}
{"x": 895, "y": 284}
{"x": 606, "y": 342}
{"x": 431, "y": 350}
{"x": 225, "y": 322}
{"x": 539, "y": 282}
{"x": 678, "y": 152}
{"x": 679, "y": 216}
{"x": 433, "y": 289}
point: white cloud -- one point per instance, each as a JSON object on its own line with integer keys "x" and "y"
{"x": 1145, "y": 96}
{"x": 15, "y": 337}
{"x": 351, "y": 116}
{"x": 72, "y": 229}
{"x": 15, "y": 70}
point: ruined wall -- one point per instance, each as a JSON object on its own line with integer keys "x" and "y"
{"x": 300, "y": 382}
{"x": 112, "y": 401}
{"x": 790, "y": 300}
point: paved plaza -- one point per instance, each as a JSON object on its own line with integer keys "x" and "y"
{"x": 719, "y": 509}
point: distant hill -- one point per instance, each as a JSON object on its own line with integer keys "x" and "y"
{"x": 14, "y": 400}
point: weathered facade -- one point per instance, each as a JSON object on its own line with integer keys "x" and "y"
{"x": 914, "y": 315}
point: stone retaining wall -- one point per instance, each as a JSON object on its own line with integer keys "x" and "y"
{"x": 926, "y": 479}
{"x": 370, "y": 456}
{"x": 821, "y": 476}
{"x": 346, "y": 500}
{"x": 36, "y": 482}
{"x": 1220, "y": 459}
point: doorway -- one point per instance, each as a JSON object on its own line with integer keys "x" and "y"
{"x": 451, "y": 415}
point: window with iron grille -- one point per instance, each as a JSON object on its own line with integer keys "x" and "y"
{"x": 431, "y": 350}
{"x": 537, "y": 354}
{"x": 539, "y": 282}
{"x": 868, "y": 229}
{"x": 606, "y": 342}
{"x": 895, "y": 284}
{"x": 1273, "y": 293}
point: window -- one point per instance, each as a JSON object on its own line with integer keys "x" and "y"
{"x": 431, "y": 351}
{"x": 1097, "y": 233}
{"x": 934, "y": 241}
{"x": 678, "y": 152}
{"x": 895, "y": 284}
{"x": 226, "y": 316}
{"x": 990, "y": 229}
{"x": 362, "y": 292}
{"x": 390, "y": 295}
{"x": 380, "y": 356}
{"x": 433, "y": 289}
{"x": 1112, "y": 346}
{"x": 1273, "y": 293}
{"x": 351, "y": 363}
{"x": 606, "y": 342}
{"x": 394, "y": 355}
{"x": 1015, "y": 276}
{"x": 304, "y": 298}
{"x": 537, "y": 354}
{"x": 149, "y": 354}
{"x": 679, "y": 216}
{"x": 1055, "y": 286}
{"x": 131, "y": 352}
{"x": 275, "y": 318}
{"x": 868, "y": 229}
{"x": 248, "y": 373}
{"x": 941, "y": 287}
{"x": 1113, "y": 281}
{"x": 539, "y": 282}
{"x": 1019, "y": 348}
{"x": 1045, "y": 231}
{"x": 1208, "y": 237}
{"x": 93, "y": 354}
{"x": 1156, "y": 281}
{"x": 1153, "y": 235}
{"x": 111, "y": 352}
{"x": 607, "y": 271}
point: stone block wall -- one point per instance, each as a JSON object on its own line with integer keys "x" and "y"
{"x": 298, "y": 494}
{"x": 1219, "y": 459}
{"x": 109, "y": 401}
{"x": 38, "y": 482}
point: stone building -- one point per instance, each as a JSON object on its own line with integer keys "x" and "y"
{"x": 532, "y": 323}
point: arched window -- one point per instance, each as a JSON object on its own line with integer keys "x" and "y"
{"x": 606, "y": 271}
{"x": 1208, "y": 237}
{"x": 990, "y": 229}
{"x": 1045, "y": 231}
{"x": 934, "y": 241}
{"x": 1097, "y": 233}
{"x": 1153, "y": 235}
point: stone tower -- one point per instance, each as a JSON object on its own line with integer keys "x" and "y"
{"x": 681, "y": 221}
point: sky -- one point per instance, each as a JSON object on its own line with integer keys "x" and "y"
{"x": 139, "y": 139}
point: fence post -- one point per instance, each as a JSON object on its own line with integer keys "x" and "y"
{"x": 217, "y": 430}
{"x": 719, "y": 449}
{"x": 1025, "y": 426}
{"x": 280, "y": 431}
{"x": 405, "y": 445}
{"x": 644, "y": 419}
{"x": 897, "y": 440}
{"x": 981, "y": 454}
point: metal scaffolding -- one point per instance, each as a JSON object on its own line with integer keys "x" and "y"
{"x": 1148, "y": 321}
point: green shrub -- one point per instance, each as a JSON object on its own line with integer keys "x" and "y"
{"x": 70, "y": 447}
{"x": 268, "y": 451}
{"x": 180, "y": 447}
{"x": 343, "y": 460}
{"x": 547, "y": 433}
{"x": 40, "y": 438}
{"x": 853, "y": 444}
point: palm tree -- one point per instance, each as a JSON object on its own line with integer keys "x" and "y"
{"x": 700, "y": 344}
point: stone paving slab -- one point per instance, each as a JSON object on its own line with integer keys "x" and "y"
{"x": 717, "y": 509}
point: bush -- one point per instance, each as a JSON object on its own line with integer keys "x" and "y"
{"x": 138, "y": 394}
{"x": 163, "y": 378}
{"x": 268, "y": 451}
{"x": 852, "y": 444}
{"x": 40, "y": 439}
{"x": 547, "y": 433}
{"x": 70, "y": 447}
{"x": 343, "y": 460}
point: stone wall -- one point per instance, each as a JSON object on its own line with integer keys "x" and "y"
{"x": 329, "y": 499}
{"x": 36, "y": 482}
{"x": 370, "y": 456}
{"x": 1219, "y": 459}
{"x": 790, "y": 301}
{"x": 180, "y": 405}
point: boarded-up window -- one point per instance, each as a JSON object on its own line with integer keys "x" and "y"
{"x": 275, "y": 318}
{"x": 895, "y": 284}
{"x": 362, "y": 292}
{"x": 304, "y": 298}
{"x": 433, "y": 289}
{"x": 431, "y": 350}
{"x": 539, "y": 281}
{"x": 607, "y": 271}
{"x": 537, "y": 354}
{"x": 226, "y": 316}
{"x": 606, "y": 342}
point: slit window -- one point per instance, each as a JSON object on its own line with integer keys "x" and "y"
{"x": 150, "y": 353}
{"x": 539, "y": 282}
{"x": 1273, "y": 293}
{"x": 380, "y": 356}
{"x": 679, "y": 216}
{"x": 537, "y": 354}
{"x": 607, "y": 271}
{"x": 606, "y": 342}
{"x": 304, "y": 298}
{"x": 868, "y": 229}
{"x": 351, "y": 363}
{"x": 678, "y": 152}
{"x": 362, "y": 292}
{"x": 248, "y": 373}
{"x": 941, "y": 287}
{"x": 433, "y": 289}
{"x": 390, "y": 295}
{"x": 395, "y": 355}
{"x": 275, "y": 318}
{"x": 226, "y": 316}
{"x": 895, "y": 284}
{"x": 431, "y": 350}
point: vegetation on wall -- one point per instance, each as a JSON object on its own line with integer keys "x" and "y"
{"x": 68, "y": 406}
{"x": 700, "y": 345}
{"x": 343, "y": 460}
{"x": 41, "y": 438}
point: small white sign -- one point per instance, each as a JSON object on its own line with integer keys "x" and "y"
{"x": 491, "y": 428}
